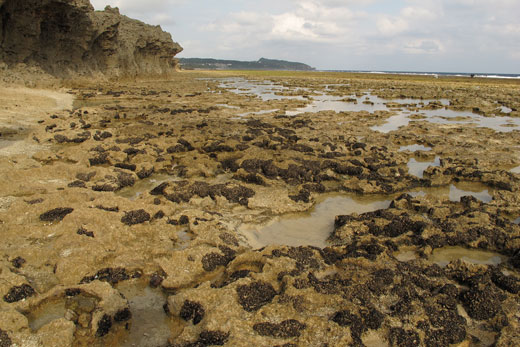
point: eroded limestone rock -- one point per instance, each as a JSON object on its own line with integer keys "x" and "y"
{"x": 66, "y": 38}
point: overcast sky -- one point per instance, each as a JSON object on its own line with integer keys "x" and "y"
{"x": 391, "y": 35}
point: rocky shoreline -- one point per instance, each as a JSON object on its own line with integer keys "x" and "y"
{"x": 132, "y": 203}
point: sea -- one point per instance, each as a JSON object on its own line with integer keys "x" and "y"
{"x": 436, "y": 74}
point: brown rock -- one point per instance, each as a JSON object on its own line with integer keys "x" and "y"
{"x": 68, "y": 37}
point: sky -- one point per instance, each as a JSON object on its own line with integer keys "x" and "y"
{"x": 376, "y": 35}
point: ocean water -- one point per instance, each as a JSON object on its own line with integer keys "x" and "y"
{"x": 433, "y": 73}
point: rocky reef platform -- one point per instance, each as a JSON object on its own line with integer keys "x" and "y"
{"x": 169, "y": 212}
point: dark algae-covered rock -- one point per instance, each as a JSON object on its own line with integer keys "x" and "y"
{"x": 5, "y": 340}
{"x": 481, "y": 303}
{"x": 135, "y": 217}
{"x": 111, "y": 275}
{"x": 123, "y": 315}
{"x": 192, "y": 311}
{"x": 104, "y": 325}
{"x": 18, "y": 293}
{"x": 255, "y": 295}
{"x": 56, "y": 214}
{"x": 283, "y": 330}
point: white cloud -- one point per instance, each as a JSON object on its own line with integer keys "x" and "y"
{"x": 423, "y": 46}
{"x": 391, "y": 26}
{"x": 360, "y": 34}
{"x": 150, "y": 11}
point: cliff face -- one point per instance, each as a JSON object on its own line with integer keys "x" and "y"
{"x": 67, "y": 37}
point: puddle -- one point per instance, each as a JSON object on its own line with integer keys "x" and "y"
{"x": 393, "y": 123}
{"x": 183, "y": 239}
{"x": 9, "y": 137}
{"x": 477, "y": 190}
{"x": 314, "y": 227}
{"x": 4, "y": 143}
{"x": 417, "y": 168}
{"x": 145, "y": 185}
{"x": 505, "y": 109}
{"x": 414, "y": 148}
{"x": 445, "y": 116}
{"x": 405, "y": 256}
{"x": 456, "y": 191}
{"x": 228, "y": 106}
{"x": 46, "y": 313}
{"x": 150, "y": 326}
{"x": 58, "y": 308}
{"x": 442, "y": 256}
{"x": 515, "y": 170}
{"x": 311, "y": 228}
{"x": 325, "y": 102}
{"x": 266, "y": 90}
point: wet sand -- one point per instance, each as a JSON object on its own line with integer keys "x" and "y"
{"x": 280, "y": 209}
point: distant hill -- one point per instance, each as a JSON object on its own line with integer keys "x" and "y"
{"x": 261, "y": 64}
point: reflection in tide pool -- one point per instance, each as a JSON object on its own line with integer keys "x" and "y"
{"x": 456, "y": 191}
{"x": 393, "y": 123}
{"x": 443, "y": 256}
{"x": 415, "y": 148}
{"x": 417, "y": 168}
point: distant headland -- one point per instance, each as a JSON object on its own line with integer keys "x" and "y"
{"x": 261, "y": 64}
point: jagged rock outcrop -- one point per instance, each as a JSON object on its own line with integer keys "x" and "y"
{"x": 67, "y": 37}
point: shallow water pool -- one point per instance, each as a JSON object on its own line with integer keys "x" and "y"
{"x": 443, "y": 256}
{"x": 315, "y": 226}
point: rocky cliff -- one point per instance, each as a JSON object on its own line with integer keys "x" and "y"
{"x": 67, "y": 38}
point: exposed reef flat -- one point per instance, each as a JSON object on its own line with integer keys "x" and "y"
{"x": 134, "y": 216}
